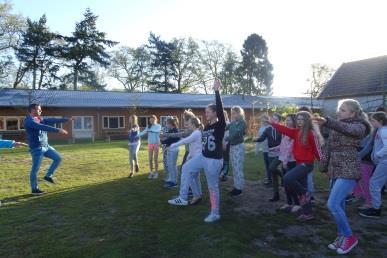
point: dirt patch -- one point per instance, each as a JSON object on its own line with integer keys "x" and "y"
{"x": 309, "y": 239}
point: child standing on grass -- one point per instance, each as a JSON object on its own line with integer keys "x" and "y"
{"x": 273, "y": 138}
{"x": 134, "y": 144}
{"x": 288, "y": 162}
{"x": 172, "y": 154}
{"x": 262, "y": 146}
{"x": 235, "y": 139}
{"x": 340, "y": 158}
{"x": 379, "y": 157}
{"x": 153, "y": 132}
{"x": 188, "y": 178}
{"x": 211, "y": 159}
{"x": 305, "y": 150}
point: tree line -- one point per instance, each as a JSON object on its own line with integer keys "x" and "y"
{"x": 33, "y": 56}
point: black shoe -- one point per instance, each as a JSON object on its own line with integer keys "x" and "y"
{"x": 350, "y": 199}
{"x": 371, "y": 213}
{"x": 235, "y": 192}
{"x": 49, "y": 179}
{"x": 137, "y": 169}
{"x": 37, "y": 192}
{"x": 275, "y": 197}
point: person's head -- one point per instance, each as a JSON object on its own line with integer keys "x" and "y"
{"x": 378, "y": 119}
{"x": 35, "y": 109}
{"x": 194, "y": 123}
{"x": 237, "y": 113}
{"x": 133, "y": 121}
{"x": 264, "y": 119}
{"x": 210, "y": 112}
{"x": 152, "y": 120}
{"x": 276, "y": 117}
{"x": 172, "y": 122}
{"x": 349, "y": 108}
{"x": 304, "y": 123}
{"x": 290, "y": 121}
{"x": 305, "y": 108}
{"x": 187, "y": 115}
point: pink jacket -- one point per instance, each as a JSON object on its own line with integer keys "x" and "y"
{"x": 286, "y": 150}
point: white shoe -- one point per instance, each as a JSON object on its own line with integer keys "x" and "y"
{"x": 150, "y": 175}
{"x": 296, "y": 208}
{"x": 212, "y": 218}
{"x": 155, "y": 175}
{"x": 178, "y": 202}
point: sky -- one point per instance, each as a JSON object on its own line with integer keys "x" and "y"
{"x": 298, "y": 32}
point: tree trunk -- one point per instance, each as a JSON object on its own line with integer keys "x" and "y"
{"x": 75, "y": 82}
{"x": 34, "y": 78}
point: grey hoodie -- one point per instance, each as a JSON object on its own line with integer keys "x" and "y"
{"x": 379, "y": 152}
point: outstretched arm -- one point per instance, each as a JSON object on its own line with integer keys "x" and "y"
{"x": 357, "y": 130}
{"x": 52, "y": 121}
{"x": 30, "y": 123}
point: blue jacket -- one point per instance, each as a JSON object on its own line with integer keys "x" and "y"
{"x": 6, "y": 144}
{"x": 37, "y": 132}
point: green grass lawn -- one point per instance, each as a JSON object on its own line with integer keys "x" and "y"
{"x": 96, "y": 211}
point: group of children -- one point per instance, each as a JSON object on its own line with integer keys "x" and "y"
{"x": 354, "y": 154}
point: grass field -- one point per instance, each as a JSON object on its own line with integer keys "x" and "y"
{"x": 95, "y": 210}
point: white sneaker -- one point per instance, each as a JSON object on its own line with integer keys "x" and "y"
{"x": 178, "y": 202}
{"x": 155, "y": 175}
{"x": 296, "y": 208}
{"x": 150, "y": 175}
{"x": 212, "y": 218}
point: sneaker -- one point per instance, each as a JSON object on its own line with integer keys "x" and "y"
{"x": 155, "y": 175}
{"x": 235, "y": 192}
{"x": 178, "y": 202}
{"x": 296, "y": 209}
{"x": 195, "y": 201}
{"x": 150, "y": 175}
{"x": 37, "y": 192}
{"x": 286, "y": 207}
{"x": 49, "y": 179}
{"x": 212, "y": 218}
{"x": 130, "y": 175}
{"x": 137, "y": 169}
{"x": 371, "y": 213}
{"x": 305, "y": 217}
{"x": 336, "y": 244}
{"x": 350, "y": 199}
{"x": 170, "y": 185}
{"x": 347, "y": 245}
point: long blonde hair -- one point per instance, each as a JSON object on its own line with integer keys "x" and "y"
{"x": 196, "y": 122}
{"x": 239, "y": 110}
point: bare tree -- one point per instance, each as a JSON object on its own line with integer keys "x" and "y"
{"x": 321, "y": 74}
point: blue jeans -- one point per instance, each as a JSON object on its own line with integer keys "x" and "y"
{"x": 377, "y": 181}
{"x": 266, "y": 161}
{"x": 310, "y": 183}
{"x": 172, "y": 164}
{"x": 37, "y": 155}
{"x": 336, "y": 204}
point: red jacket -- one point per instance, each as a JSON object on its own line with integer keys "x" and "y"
{"x": 303, "y": 153}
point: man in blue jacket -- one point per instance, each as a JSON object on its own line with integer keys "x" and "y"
{"x": 37, "y": 128}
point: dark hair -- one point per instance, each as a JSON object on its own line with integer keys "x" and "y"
{"x": 174, "y": 121}
{"x": 304, "y": 131}
{"x": 380, "y": 117}
{"x": 380, "y": 109}
{"x": 212, "y": 107}
{"x": 32, "y": 106}
{"x": 305, "y": 108}
{"x": 293, "y": 117}
{"x": 155, "y": 118}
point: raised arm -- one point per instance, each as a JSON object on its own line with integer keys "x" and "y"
{"x": 291, "y": 132}
{"x": 357, "y": 130}
{"x": 30, "y": 123}
{"x": 219, "y": 103}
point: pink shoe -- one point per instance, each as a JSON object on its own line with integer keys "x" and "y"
{"x": 347, "y": 245}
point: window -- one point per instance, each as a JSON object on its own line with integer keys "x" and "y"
{"x": 143, "y": 121}
{"x": 2, "y": 124}
{"x": 21, "y": 123}
{"x": 113, "y": 122}
{"x": 83, "y": 123}
{"x": 12, "y": 124}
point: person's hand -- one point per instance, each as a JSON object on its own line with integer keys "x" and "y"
{"x": 20, "y": 144}
{"x": 319, "y": 120}
{"x": 217, "y": 84}
{"x": 63, "y": 131}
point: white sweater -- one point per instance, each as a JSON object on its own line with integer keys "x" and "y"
{"x": 194, "y": 141}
